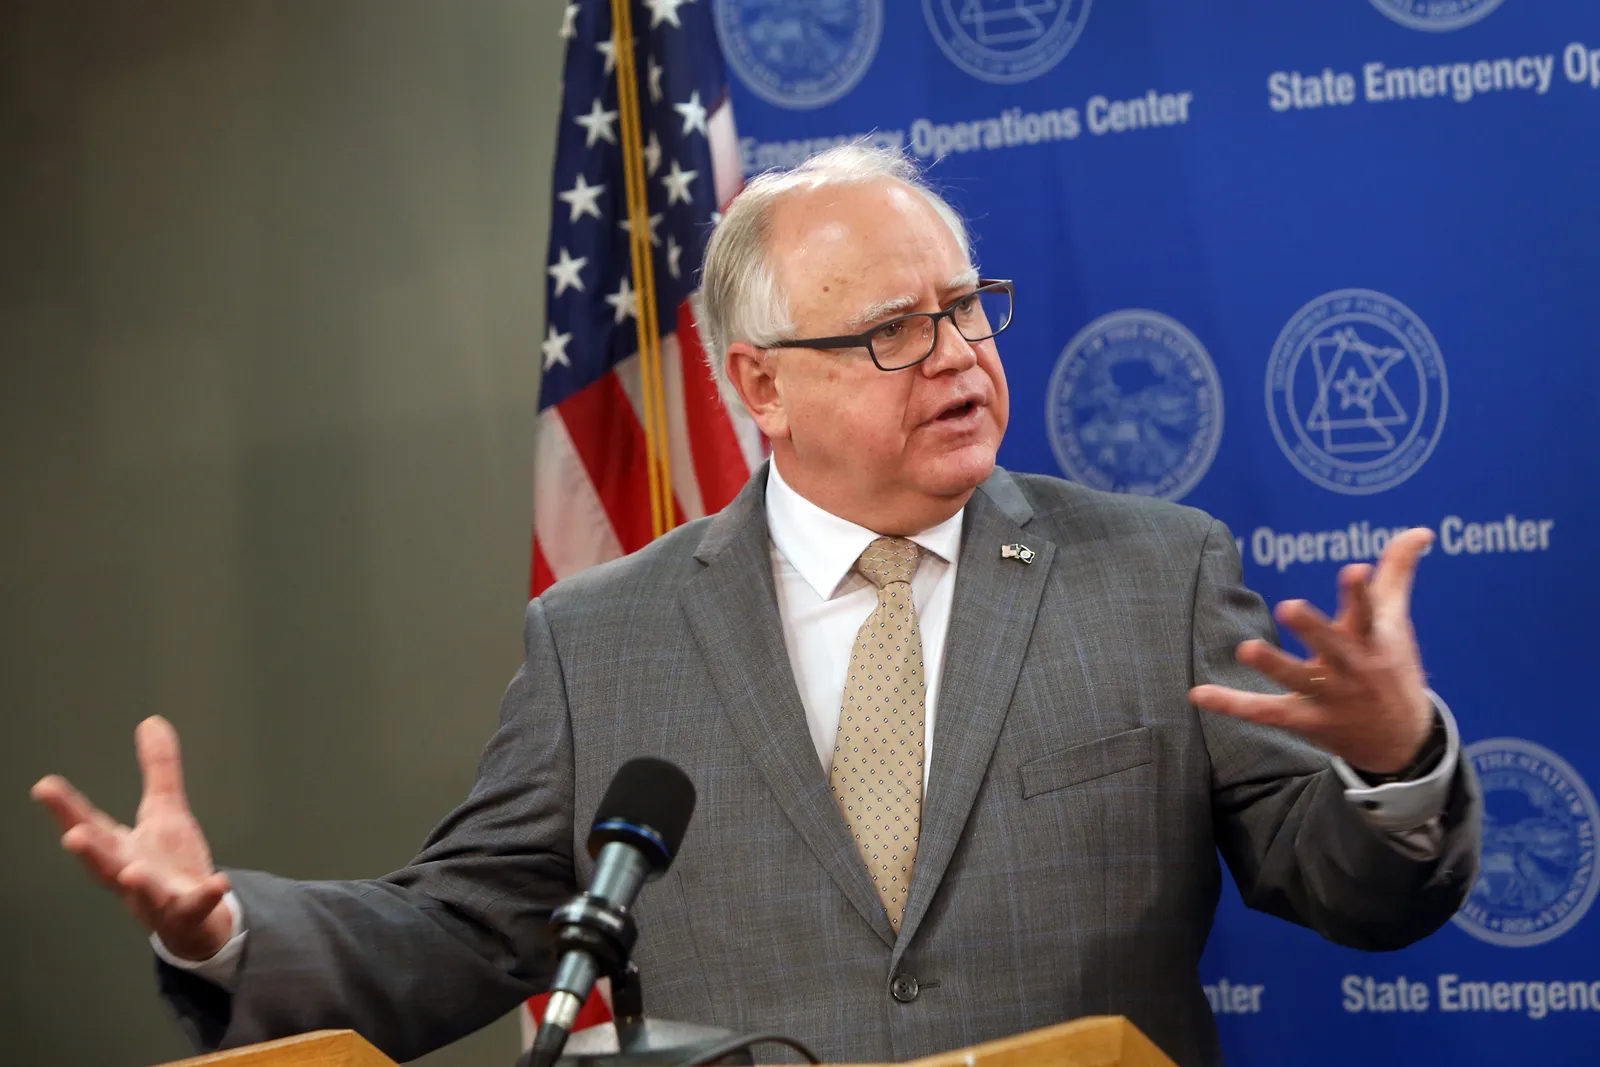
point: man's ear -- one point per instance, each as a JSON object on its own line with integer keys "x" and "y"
{"x": 753, "y": 372}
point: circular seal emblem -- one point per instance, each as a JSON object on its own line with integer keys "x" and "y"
{"x": 1004, "y": 40}
{"x": 1538, "y": 874}
{"x": 1436, "y": 16}
{"x": 1356, "y": 391}
{"x": 1134, "y": 406}
{"x": 799, "y": 53}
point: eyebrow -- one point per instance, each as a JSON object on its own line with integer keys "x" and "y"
{"x": 967, "y": 279}
{"x": 901, "y": 304}
{"x": 881, "y": 310}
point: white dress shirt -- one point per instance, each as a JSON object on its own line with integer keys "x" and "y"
{"x": 822, "y": 603}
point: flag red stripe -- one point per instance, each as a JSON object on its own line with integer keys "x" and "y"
{"x": 719, "y": 463}
{"x": 543, "y": 576}
{"x": 594, "y": 1012}
{"x": 609, "y": 439}
{"x": 610, "y": 442}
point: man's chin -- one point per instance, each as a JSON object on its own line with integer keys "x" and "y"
{"x": 959, "y": 471}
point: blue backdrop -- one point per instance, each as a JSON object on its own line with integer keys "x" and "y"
{"x": 1325, "y": 270}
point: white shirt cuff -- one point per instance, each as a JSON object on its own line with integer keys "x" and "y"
{"x": 1408, "y": 811}
{"x": 221, "y": 968}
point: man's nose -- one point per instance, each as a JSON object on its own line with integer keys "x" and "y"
{"x": 951, "y": 352}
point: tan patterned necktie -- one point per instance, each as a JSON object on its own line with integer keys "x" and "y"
{"x": 877, "y": 760}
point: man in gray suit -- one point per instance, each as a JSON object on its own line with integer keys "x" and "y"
{"x": 942, "y": 719}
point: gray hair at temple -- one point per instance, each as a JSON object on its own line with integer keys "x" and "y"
{"x": 739, "y": 297}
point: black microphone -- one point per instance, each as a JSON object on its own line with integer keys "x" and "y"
{"x": 637, "y": 830}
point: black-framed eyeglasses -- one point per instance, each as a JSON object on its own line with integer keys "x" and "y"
{"x": 906, "y": 340}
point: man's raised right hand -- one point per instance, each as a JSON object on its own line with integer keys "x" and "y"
{"x": 161, "y": 866}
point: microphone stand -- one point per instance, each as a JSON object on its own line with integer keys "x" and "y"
{"x": 633, "y": 1040}
{"x": 594, "y": 935}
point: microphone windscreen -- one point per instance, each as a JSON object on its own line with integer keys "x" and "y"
{"x": 646, "y": 793}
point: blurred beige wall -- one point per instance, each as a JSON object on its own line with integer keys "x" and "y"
{"x": 271, "y": 281}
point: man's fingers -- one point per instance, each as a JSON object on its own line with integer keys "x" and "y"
{"x": 1355, "y": 600}
{"x": 143, "y": 894}
{"x": 160, "y": 760}
{"x": 99, "y": 849}
{"x": 1291, "y": 672}
{"x": 1397, "y": 568}
{"x": 1285, "y": 711}
{"x": 170, "y": 909}
{"x": 150, "y": 893}
{"x": 66, "y": 805}
{"x": 191, "y": 908}
{"x": 1316, "y": 631}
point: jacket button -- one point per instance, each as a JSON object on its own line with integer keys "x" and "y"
{"x": 904, "y": 988}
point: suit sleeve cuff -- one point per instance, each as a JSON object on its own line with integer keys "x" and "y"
{"x": 1399, "y": 808}
{"x": 222, "y": 968}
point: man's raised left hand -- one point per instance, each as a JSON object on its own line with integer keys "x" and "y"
{"x": 1361, "y": 695}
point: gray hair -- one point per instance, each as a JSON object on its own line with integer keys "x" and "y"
{"x": 739, "y": 297}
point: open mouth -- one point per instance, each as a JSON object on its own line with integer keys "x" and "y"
{"x": 957, "y": 411}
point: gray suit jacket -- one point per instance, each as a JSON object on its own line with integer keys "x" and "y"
{"x": 1068, "y": 863}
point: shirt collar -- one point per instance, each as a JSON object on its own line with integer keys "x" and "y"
{"x": 824, "y": 548}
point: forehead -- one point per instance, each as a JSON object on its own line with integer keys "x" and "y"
{"x": 858, "y": 244}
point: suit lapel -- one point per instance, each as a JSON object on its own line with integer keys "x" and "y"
{"x": 991, "y": 622}
{"x": 732, "y": 610}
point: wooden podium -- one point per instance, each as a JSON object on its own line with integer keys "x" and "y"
{"x": 1094, "y": 1041}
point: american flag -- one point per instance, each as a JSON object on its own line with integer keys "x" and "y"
{"x": 591, "y": 478}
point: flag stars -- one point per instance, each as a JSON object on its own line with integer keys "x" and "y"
{"x": 624, "y": 302}
{"x": 652, "y": 153}
{"x": 655, "y": 220}
{"x": 608, "y": 49}
{"x": 569, "y": 22}
{"x": 554, "y": 347}
{"x": 653, "y": 72}
{"x": 565, "y": 272}
{"x": 674, "y": 253}
{"x": 693, "y": 112}
{"x": 598, "y": 124}
{"x": 583, "y": 198}
{"x": 665, "y": 11}
{"x": 676, "y": 182}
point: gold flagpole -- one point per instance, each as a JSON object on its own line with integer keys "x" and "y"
{"x": 663, "y": 514}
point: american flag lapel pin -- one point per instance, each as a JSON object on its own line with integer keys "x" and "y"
{"x": 1017, "y": 551}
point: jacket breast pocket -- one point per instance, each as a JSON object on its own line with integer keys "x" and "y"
{"x": 1088, "y": 761}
